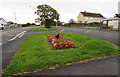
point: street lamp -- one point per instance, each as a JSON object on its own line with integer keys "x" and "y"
{"x": 15, "y": 17}
{"x": 118, "y": 14}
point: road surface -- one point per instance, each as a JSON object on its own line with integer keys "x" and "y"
{"x": 7, "y": 52}
{"x": 111, "y": 36}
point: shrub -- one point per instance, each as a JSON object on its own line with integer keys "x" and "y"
{"x": 25, "y": 25}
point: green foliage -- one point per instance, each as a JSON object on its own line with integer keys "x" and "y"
{"x": 48, "y": 23}
{"x": 36, "y": 53}
{"x": 47, "y": 14}
{"x": 45, "y": 29}
{"x": 94, "y": 24}
{"x": 33, "y": 24}
{"x": 28, "y": 25}
{"x": 25, "y": 25}
{"x": 59, "y": 23}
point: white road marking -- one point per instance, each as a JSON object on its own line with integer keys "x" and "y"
{"x": 18, "y": 35}
{"x": 87, "y": 31}
{"x": 0, "y": 43}
{"x": 62, "y": 30}
{"x": 21, "y": 35}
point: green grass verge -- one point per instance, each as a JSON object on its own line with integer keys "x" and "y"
{"x": 91, "y": 27}
{"x": 31, "y": 26}
{"x": 19, "y": 27}
{"x": 88, "y": 27}
{"x": 36, "y": 53}
{"x": 12, "y": 27}
{"x": 45, "y": 29}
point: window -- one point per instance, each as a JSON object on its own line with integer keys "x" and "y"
{"x": 91, "y": 18}
{"x": 85, "y": 21}
{"x": 86, "y": 17}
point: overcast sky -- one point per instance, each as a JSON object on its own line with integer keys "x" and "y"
{"x": 67, "y": 9}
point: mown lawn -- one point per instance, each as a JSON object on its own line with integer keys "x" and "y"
{"x": 12, "y": 27}
{"x": 87, "y": 27}
{"x": 45, "y": 29}
{"x": 36, "y": 53}
{"x": 19, "y": 27}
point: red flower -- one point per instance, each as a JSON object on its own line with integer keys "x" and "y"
{"x": 60, "y": 42}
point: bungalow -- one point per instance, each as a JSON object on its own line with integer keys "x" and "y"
{"x": 87, "y": 17}
{"x": 12, "y": 24}
{"x": 72, "y": 21}
{"x": 37, "y": 22}
{"x": 3, "y": 22}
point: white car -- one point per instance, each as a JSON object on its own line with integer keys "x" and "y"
{"x": 1, "y": 27}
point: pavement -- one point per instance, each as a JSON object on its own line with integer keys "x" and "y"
{"x": 12, "y": 38}
{"x": 107, "y": 66}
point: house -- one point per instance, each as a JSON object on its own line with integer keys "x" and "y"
{"x": 37, "y": 22}
{"x": 87, "y": 17}
{"x": 72, "y": 21}
{"x": 3, "y": 22}
{"x": 10, "y": 24}
{"x": 112, "y": 22}
{"x": 117, "y": 15}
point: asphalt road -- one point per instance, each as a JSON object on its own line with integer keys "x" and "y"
{"x": 108, "y": 66}
{"x": 111, "y": 36}
{"x": 8, "y": 34}
{"x": 8, "y": 46}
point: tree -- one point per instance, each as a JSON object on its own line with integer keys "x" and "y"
{"x": 47, "y": 15}
{"x": 25, "y": 25}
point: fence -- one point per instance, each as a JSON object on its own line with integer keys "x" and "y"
{"x": 94, "y": 25}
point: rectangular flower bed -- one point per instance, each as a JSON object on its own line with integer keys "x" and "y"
{"x": 59, "y": 42}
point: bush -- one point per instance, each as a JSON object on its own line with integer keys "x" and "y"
{"x": 94, "y": 24}
{"x": 33, "y": 24}
{"x": 25, "y": 25}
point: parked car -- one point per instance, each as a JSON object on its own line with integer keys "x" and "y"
{"x": 1, "y": 27}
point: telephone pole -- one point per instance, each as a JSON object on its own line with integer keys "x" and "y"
{"x": 14, "y": 17}
{"x": 118, "y": 14}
